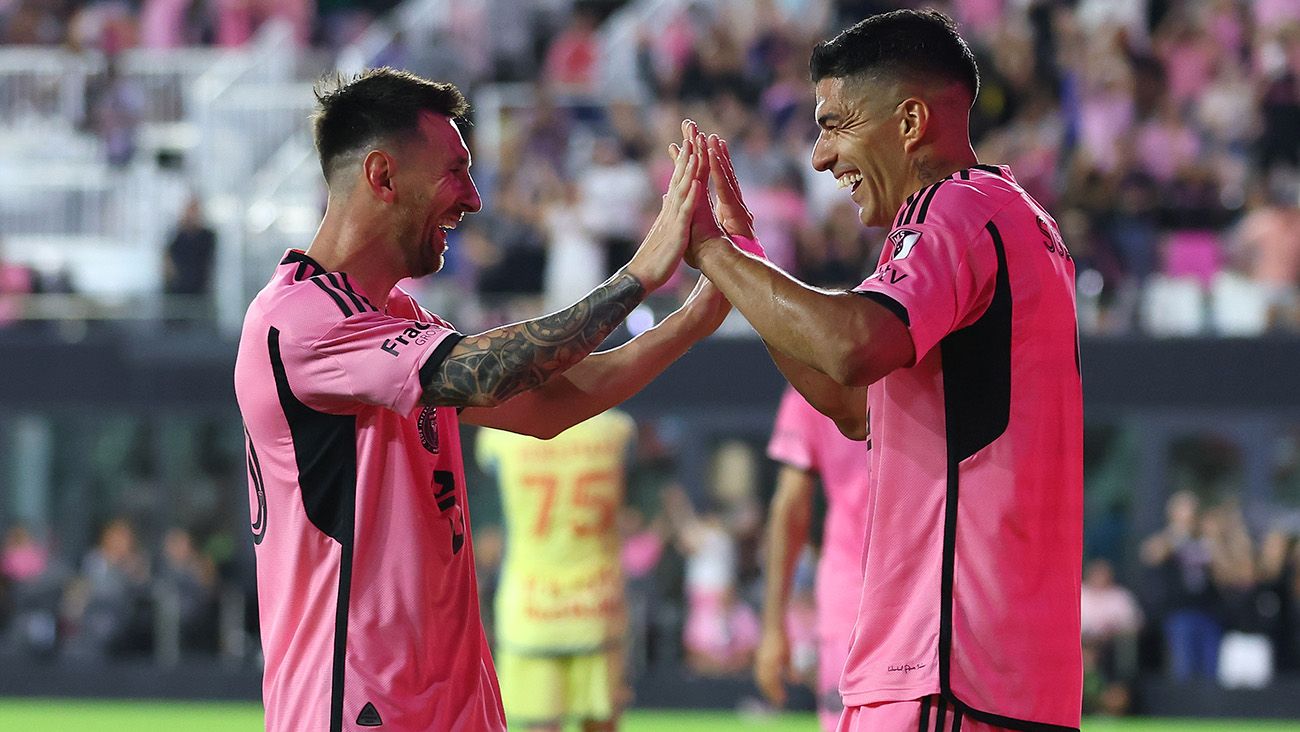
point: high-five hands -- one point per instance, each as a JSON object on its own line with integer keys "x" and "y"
{"x": 728, "y": 210}
{"x": 663, "y": 246}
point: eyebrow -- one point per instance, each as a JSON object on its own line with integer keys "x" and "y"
{"x": 828, "y": 117}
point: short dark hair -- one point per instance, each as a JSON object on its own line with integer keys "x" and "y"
{"x": 900, "y": 42}
{"x": 352, "y": 112}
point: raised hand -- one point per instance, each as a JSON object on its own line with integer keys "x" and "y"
{"x": 728, "y": 207}
{"x": 703, "y": 224}
{"x": 661, "y": 251}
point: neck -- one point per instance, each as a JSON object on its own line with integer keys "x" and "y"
{"x": 349, "y": 242}
{"x": 932, "y": 166}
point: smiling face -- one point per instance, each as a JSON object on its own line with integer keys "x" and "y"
{"x": 434, "y": 191}
{"x": 862, "y": 144}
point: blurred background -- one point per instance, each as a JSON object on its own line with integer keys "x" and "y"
{"x": 155, "y": 163}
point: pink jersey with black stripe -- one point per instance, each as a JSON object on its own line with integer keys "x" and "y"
{"x": 809, "y": 440}
{"x": 365, "y": 570}
{"x": 974, "y": 531}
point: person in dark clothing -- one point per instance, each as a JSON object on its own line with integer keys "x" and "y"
{"x": 190, "y": 254}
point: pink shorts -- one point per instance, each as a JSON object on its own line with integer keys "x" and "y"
{"x": 931, "y": 714}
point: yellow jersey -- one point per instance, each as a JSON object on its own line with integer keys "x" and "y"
{"x": 561, "y": 588}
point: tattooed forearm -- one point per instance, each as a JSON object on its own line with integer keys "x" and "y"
{"x": 487, "y": 369}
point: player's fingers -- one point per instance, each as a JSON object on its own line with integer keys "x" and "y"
{"x": 679, "y": 168}
{"x": 674, "y": 150}
{"x": 682, "y": 178}
{"x": 728, "y": 171}
{"x": 681, "y": 211}
{"x": 721, "y": 185}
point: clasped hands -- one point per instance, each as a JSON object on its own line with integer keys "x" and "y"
{"x": 725, "y": 216}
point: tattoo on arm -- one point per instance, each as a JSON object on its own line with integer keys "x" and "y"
{"x": 489, "y": 368}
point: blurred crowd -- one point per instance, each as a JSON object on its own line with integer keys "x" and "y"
{"x": 120, "y": 600}
{"x": 115, "y": 25}
{"x": 1164, "y": 135}
{"x": 1215, "y": 598}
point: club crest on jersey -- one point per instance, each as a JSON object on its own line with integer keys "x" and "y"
{"x": 428, "y": 423}
{"x": 903, "y": 240}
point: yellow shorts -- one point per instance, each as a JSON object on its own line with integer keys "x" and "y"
{"x": 548, "y": 690}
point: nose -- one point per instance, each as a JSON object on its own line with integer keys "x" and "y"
{"x": 823, "y": 156}
{"x": 472, "y": 203}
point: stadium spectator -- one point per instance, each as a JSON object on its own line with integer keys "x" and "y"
{"x": 1181, "y": 556}
{"x": 1267, "y": 245}
{"x": 189, "y": 576}
{"x": 190, "y": 255}
{"x": 108, "y": 604}
{"x": 16, "y": 282}
{"x": 1110, "y": 620}
{"x": 721, "y": 631}
{"x": 30, "y": 586}
{"x": 114, "y": 106}
{"x": 612, "y": 195}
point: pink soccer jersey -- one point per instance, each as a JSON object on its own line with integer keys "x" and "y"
{"x": 974, "y": 532}
{"x": 806, "y": 439}
{"x": 365, "y": 569}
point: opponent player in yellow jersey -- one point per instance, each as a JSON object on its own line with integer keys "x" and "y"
{"x": 559, "y": 606}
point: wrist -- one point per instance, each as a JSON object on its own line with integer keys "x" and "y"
{"x": 711, "y": 248}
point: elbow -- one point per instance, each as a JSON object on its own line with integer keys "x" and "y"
{"x": 854, "y": 428}
{"x": 849, "y": 366}
{"x": 545, "y": 431}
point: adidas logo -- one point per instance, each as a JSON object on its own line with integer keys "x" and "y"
{"x": 369, "y": 716}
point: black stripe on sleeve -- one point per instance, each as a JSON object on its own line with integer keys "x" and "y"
{"x": 898, "y": 218}
{"x": 325, "y": 450}
{"x": 437, "y": 356}
{"x": 352, "y": 291}
{"x": 925, "y": 206}
{"x": 911, "y": 208}
{"x": 347, "y": 312}
{"x": 995, "y": 170}
{"x": 888, "y": 302}
{"x": 335, "y": 280}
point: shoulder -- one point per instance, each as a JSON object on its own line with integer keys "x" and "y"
{"x": 404, "y": 304}
{"x": 960, "y": 204}
{"x": 308, "y": 309}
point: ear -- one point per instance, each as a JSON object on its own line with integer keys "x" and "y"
{"x": 379, "y": 168}
{"x": 914, "y": 123}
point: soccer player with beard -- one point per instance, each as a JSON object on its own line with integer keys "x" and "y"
{"x": 352, "y": 395}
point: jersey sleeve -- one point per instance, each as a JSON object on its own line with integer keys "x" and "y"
{"x": 793, "y": 439}
{"x": 934, "y": 280}
{"x": 370, "y": 358}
